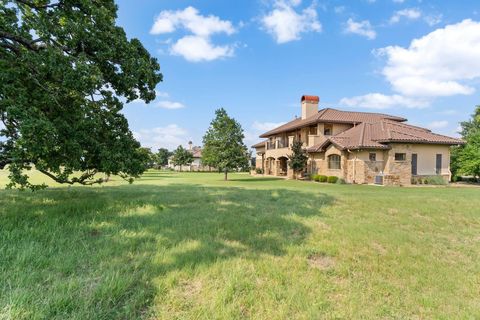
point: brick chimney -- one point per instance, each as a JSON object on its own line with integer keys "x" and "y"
{"x": 309, "y": 106}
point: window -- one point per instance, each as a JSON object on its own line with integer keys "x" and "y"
{"x": 327, "y": 130}
{"x": 313, "y": 130}
{"x": 400, "y": 156}
{"x": 372, "y": 156}
{"x": 334, "y": 161}
{"x": 438, "y": 166}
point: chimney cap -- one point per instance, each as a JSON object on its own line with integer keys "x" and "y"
{"x": 311, "y": 98}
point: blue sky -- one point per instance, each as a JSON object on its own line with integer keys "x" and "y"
{"x": 256, "y": 58}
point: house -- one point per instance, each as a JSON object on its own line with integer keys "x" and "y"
{"x": 359, "y": 147}
{"x": 196, "y": 165}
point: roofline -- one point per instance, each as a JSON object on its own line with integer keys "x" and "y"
{"x": 316, "y": 121}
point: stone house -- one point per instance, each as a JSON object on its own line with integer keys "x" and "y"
{"x": 359, "y": 147}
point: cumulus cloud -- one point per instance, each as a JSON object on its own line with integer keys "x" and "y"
{"x": 437, "y": 64}
{"x": 170, "y": 137}
{"x": 197, "y": 46}
{"x": 382, "y": 101}
{"x": 170, "y": 105}
{"x": 287, "y": 23}
{"x": 196, "y": 49}
{"x": 409, "y": 14}
{"x": 442, "y": 63}
{"x": 363, "y": 28}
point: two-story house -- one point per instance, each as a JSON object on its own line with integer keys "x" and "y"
{"x": 359, "y": 147}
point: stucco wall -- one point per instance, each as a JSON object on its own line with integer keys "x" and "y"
{"x": 426, "y": 158}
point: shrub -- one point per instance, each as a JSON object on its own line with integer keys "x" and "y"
{"x": 341, "y": 181}
{"x": 322, "y": 178}
{"x": 332, "y": 179}
{"x": 435, "y": 180}
{"x": 316, "y": 177}
{"x": 259, "y": 171}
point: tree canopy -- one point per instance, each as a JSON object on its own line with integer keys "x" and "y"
{"x": 298, "y": 159}
{"x": 182, "y": 157}
{"x": 223, "y": 146}
{"x": 162, "y": 157}
{"x": 66, "y": 69}
{"x": 466, "y": 158}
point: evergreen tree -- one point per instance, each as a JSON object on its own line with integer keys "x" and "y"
{"x": 298, "y": 159}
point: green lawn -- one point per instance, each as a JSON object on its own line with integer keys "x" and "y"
{"x": 191, "y": 246}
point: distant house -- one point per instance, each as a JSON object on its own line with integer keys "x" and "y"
{"x": 360, "y": 147}
{"x": 196, "y": 165}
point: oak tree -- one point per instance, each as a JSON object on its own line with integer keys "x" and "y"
{"x": 66, "y": 70}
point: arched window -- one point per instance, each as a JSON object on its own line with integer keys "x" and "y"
{"x": 334, "y": 161}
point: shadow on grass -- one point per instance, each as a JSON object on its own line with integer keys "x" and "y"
{"x": 96, "y": 251}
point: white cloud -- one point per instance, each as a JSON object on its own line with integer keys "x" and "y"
{"x": 363, "y": 28}
{"x": 339, "y": 9}
{"x": 437, "y": 64}
{"x": 286, "y": 23}
{"x": 410, "y": 14}
{"x": 170, "y": 105}
{"x": 398, "y": 1}
{"x": 197, "y": 46}
{"x": 381, "y": 101}
{"x": 433, "y": 19}
{"x": 169, "y": 137}
{"x": 266, "y": 126}
{"x": 196, "y": 49}
{"x": 438, "y": 124}
{"x": 191, "y": 20}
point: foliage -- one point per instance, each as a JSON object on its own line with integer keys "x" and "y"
{"x": 182, "y": 157}
{"x": 315, "y": 177}
{"x": 434, "y": 180}
{"x": 259, "y": 170}
{"x": 322, "y": 178}
{"x": 332, "y": 179}
{"x": 65, "y": 70}
{"x": 223, "y": 146}
{"x": 150, "y": 157}
{"x": 298, "y": 159}
{"x": 466, "y": 158}
{"x": 341, "y": 181}
{"x": 162, "y": 157}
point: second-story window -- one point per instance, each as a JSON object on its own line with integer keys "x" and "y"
{"x": 327, "y": 130}
{"x": 313, "y": 130}
{"x": 373, "y": 156}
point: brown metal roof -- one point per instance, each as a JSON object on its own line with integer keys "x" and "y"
{"x": 329, "y": 115}
{"x": 379, "y": 134}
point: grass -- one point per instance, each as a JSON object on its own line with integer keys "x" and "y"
{"x": 191, "y": 246}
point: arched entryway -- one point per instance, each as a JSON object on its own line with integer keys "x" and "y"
{"x": 270, "y": 166}
{"x": 282, "y": 164}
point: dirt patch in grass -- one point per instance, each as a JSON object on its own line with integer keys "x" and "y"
{"x": 321, "y": 261}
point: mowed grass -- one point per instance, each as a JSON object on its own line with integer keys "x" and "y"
{"x": 191, "y": 246}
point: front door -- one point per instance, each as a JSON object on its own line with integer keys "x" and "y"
{"x": 414, "y": 164}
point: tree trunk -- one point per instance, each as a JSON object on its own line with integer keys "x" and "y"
{"x": 226, "y": 174}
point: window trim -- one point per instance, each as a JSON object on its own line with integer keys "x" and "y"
{"x": 331, "y": 161}
{"x": 404, "y": 156}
